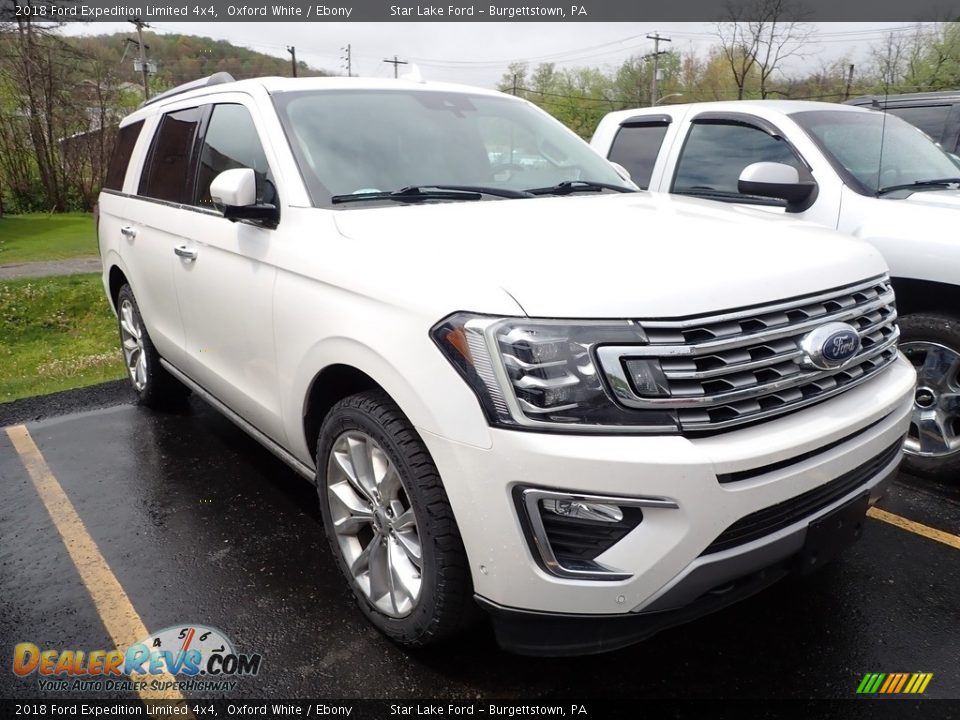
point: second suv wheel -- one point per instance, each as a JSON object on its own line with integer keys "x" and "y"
{"x": 932, "y": 344}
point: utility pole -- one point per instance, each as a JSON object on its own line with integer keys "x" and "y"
{"x": 657, "y": 39}
{"x": 143, "y": 56}
{"x": 396, "y": 63}
{"x": 514, "y": 84}
{"x": 348, "y": 60}
{"x": 846, "y": 93}
{"x": 293, "y": 58}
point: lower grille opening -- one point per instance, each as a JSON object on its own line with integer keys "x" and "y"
{"x": 776, "y": 517}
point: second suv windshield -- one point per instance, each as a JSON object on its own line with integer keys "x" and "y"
{"x": 379, "y": 142}
{"x": 861, "y": 141}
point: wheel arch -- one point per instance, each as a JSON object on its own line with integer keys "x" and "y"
{"x": 425, "y": 387}
{"x": 328, "y": 387}
{"x": 116, "y": 279}
{"x": 926, "y": 296}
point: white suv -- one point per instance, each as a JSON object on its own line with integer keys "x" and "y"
{"x": 592, "y": 411}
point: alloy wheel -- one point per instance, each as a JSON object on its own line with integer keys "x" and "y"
{"x": 374, "y": 523}
{"x": 131, "y": 339}
{"x": 935, "y": 426}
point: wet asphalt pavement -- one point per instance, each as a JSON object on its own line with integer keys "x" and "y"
{"x": 201, "y": 525}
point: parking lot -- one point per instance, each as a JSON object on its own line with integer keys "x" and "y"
{"x": 197, "y": 524}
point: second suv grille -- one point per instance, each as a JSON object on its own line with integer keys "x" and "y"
{"x": 738, "y": 367}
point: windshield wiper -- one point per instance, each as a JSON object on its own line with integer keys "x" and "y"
{"x": 919, "y": 184}
{"x": 409, "y": 194}
{"x": 483, "y": 190}
{"x": 572, "y": 186}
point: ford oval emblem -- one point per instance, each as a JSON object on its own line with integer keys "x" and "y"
{"x": 829, "y": 346}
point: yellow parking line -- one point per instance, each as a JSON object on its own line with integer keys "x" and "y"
{"x": 115, "y": 609}
{"x": 915, "y": 527}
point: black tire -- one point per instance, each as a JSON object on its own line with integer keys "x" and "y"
{"x": 941, "y": 330}
{"x": 445, "y": 605}
{"x": 160, "y": 388}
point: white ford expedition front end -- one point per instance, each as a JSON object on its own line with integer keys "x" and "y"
{"x": 515, "y": 380}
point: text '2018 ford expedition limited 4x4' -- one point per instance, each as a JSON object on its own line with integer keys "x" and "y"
{"x": 516, "y": 380}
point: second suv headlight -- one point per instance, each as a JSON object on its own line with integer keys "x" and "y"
{"x": 543, "y": 373}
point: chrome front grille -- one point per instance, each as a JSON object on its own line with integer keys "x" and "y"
{"x": 724, "y": 370}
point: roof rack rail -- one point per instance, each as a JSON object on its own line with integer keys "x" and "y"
{"x": 215, "y": 79}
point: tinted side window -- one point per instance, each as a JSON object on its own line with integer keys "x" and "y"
{"x": 931, "y": 119}
{"x": 231, "y": 142}
{"x": 716, "y": 154}
{"x": 636, "y": 148}
{"x": 117, "y": 169}
{"x": 169, "y": 172}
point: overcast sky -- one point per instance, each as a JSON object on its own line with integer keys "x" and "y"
{"x": 478, "y": 53}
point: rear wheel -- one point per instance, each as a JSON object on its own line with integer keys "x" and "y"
{"x": 153, "y": 385}
{"x": 932, "y": 344}
{"x": 389, "y": 523}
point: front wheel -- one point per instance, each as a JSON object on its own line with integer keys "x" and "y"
{"x": 389, "y": 523}
{"x": 932, "y": 344}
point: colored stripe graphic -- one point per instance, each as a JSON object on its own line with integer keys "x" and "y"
{"x": 894, "y": 683}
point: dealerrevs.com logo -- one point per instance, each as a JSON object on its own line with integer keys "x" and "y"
{"x": 186, "y": 657}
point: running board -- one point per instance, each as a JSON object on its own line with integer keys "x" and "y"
{"x": 303, "y": 469}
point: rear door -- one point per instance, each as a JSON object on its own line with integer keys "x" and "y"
{"x": 113, "y": 208}
{"x": 637, "y": 145}
{"x": 159, "y": 224}
{"x": 225, "y": 272}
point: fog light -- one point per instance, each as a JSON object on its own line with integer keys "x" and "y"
{"x": 567, "y": 531}
{"x": 584, "y": 510}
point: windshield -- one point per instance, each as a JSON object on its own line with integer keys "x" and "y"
{"x": 853, "y": 140}
{"x": 366, "y": 141}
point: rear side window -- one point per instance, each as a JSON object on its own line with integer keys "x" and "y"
{"x": 715, "y": 154}
{"x": 931, "y": 119}
{"x": 231, "y": 142}
{"x": 117, "y": 169}
{"x": 636, "y": 148}
{"x": 168, "y": 174}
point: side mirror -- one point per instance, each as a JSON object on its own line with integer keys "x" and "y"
{"x": 623, "y": 173}
{"x": 236, "y": 192}
{"x": 780, "y": 181}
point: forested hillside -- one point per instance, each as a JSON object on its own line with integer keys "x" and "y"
{"x": 61, "y": 99}
{"x": 181, "y": 58}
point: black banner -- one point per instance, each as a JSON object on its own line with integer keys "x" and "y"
{"x": 456, "y": 10}
{"x": 539, "y": 709}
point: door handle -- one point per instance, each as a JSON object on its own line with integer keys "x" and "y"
{"x": 128, "y": 232}
{"x": 185, "y": 252}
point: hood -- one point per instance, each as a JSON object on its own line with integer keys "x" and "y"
{"x": 639, "y": 255}
{"x": 927, "y": 199}
{"x": 917, "y": 234}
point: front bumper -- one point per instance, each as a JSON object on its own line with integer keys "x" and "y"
{"x": 663, "y": 556}
{"x": 709, "y": 584}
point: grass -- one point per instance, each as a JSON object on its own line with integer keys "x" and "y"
{"x": 29, "y": 238}
{"x": 56, "y": 333}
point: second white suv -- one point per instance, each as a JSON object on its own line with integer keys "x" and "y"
{"x": 525, "y": 385}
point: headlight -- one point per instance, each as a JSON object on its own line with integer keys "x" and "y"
{"x": 545, "y": 373}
